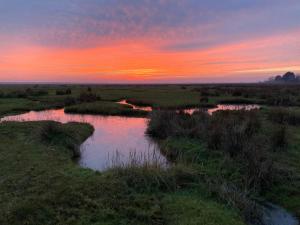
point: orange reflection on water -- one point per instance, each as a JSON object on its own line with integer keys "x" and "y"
{"x": 115, "y": 138}
{"x": 143, "y": 108}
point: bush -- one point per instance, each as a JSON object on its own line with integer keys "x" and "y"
{"x": 64, "y": 92}
{"x": 284, "y": 116}
{"x": 204, "y": 100}
{"x": 237, "y": 93}
{"x": 88, "y": 97}
{"x": 52, "y": 133}
{"x": 69, "y": 101}
{"x": 237, "y": 134}
{"x": 68, "y": 91}
{"x": 281, "y": 100}
{"x": 166, "y": 123}
{"x": 232, "y": 131}
{"x": 36, "y": 92}
{"x": 258, "y": 164}
{"x": 279, "y": 138}
{"x": 161, "y": 124}
{"x": 48, "y": 131}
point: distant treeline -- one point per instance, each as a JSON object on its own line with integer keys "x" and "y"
{"x": 288, "y": 77}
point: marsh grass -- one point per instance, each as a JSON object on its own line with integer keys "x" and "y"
{"x": 282, "y": 115}
{"x": 241, "y": 155}
{"x": 39, "y": 186}
{"x": 53, "y": 134}
{"x": 135, "y": 159}
{"x": 146, "y": 173}
{"x": 105, "y": 108}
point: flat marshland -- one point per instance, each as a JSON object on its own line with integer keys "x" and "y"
{"x": 222, "y": 167}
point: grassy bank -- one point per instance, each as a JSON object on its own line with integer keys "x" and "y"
{"x": 40, "y": 184}
{"x": 15, "y": 106}
{"x": 286, "y": 191}
{"x": 249, "y": 153}
{"x": 105, "y": 108}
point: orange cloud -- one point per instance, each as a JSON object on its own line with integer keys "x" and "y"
{"x": 142, "y": 60}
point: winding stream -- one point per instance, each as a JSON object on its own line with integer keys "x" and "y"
{"x": 116, "y": 140}
{"x": 219, "y": 107}
{"x": 120, "y": 140}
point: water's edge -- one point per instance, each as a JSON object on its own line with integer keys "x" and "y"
{"x": 276, "y": 215}
{"x": 271, "y": 214}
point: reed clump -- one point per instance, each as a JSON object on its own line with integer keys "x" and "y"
{"x": 238, "y": 135}
{"x": 284, "y": 116}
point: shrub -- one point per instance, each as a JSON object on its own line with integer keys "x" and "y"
{"x": 237, "y": 93}
{"x": 232, "y": 131}
{"x": 88, "y": 97}
{"x": 68, "y": 91}
{"x": 69, "y": 101}
{"x": 161, "y": 124}
{"x": 235, "y": 133}
{"x": 279, "y": 138}
{"x": 204, "y": 100}
{"x": 258, "y": 164}
{"x": 205, "y": 93}
{"x": 284, "y": 116}
{"x": 281, "y": 100}
{"x": 53, "y": 134}
{"x": 166, "y": 123}
{"x": 64, "y": 92}
{"x": 35, "y": 92}
{"x": 48, "y": 131}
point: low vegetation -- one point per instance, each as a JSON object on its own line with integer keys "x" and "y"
{"x": 105, "y": 108}
{"x": 220, "y": 165}
{"x": 237, "y": 153}
{"x": 157, "y": 96}
{"x": 283, "y": 116}
{"x": 40, "y": 184}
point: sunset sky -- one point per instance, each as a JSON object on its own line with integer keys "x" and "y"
{"x": 148, "y": 41}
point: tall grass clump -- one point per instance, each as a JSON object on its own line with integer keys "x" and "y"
{"x": 165, "y": 123}
{"x": 279, "y": 138}
{"x": 88, "y": 97}
{"x": 149, "y": 159}
{"x": 284, "y": 116}
{"x": 149, "y": 171}
{"x": 229, "y": 149}
{"x": 236, "y": 198}
{"x": 236, "y": 134}
{"x": 67, "y": 91}
{"x": 52, "y": 134}
{"x": 232, "y": 131}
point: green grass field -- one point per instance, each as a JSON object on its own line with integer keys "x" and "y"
{"x": 105, "y": 108}
{"x": 40, "y": 184}
{"x": 38, "y": 97}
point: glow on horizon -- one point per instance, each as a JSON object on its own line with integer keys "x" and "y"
{"x": 195, "y": 48}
